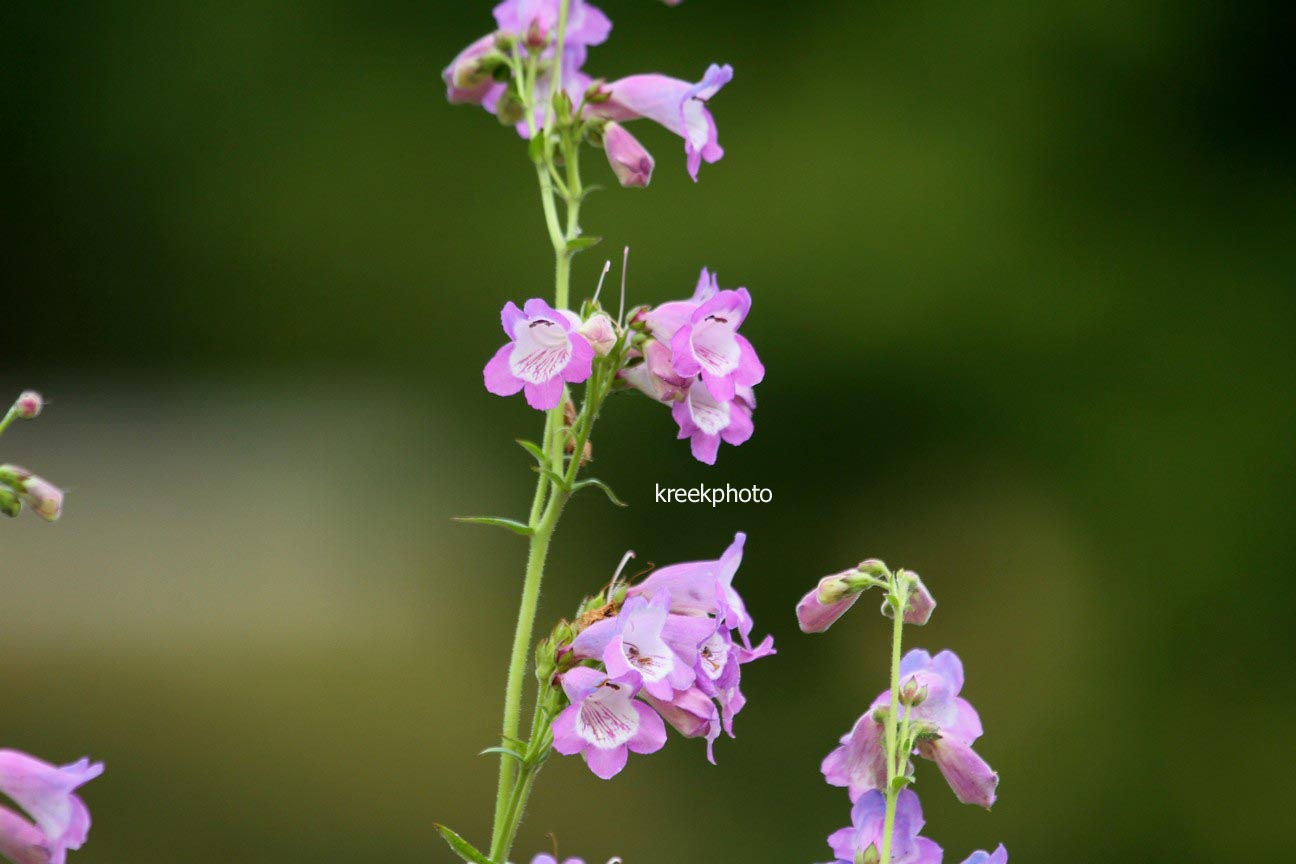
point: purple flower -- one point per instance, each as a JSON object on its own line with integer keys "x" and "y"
{"x": 678, "y": 105}
{"x": 693, "y": 714}
{"x": 719, "y": 671}
{"x": 646, "y": 641}
{"x": 546, "y": 350}
{"x": 586, "y": 24}
{"x": 706, "y": 421}
{"x": 700, "y": 588}
{"x": 868, "y": 830}
{"x": 999, "y": 856}
{"x": 604, "y": 721}
{"x": 46, "y": 793}
{"x": 655, "y": 377}
{"x": 950, "y": 722}
{"x": 631, "y": 162}
{"x": 704, "y": 339}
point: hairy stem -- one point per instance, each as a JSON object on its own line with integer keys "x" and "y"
{"x": 896, "y": 759}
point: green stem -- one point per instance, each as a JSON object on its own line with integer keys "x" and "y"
{"x": 10, "y": 416}
{"x": 895, "y": 759}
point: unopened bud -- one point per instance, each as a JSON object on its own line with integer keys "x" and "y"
{"x": 509, "y": 109}
{"x": 827, "y": 601}
{"x": 600, "y": 332}
{"x": 29, "y": 405}
{"x": 546, "y": 661}
{"x": 536, "y": 36}
{"x": 44, "y": 498}
{"x": 919, "y": 606}
{"x": 869, "y": 855}
{"x": 912, "y": 693}
{"x": 9, "y": 503}
{"x": 14, "y": 476}
{"x": 875, "y": 568}
{"x": 631, "y": 162}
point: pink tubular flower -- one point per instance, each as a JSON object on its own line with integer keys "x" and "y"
{"x": 604, "y": 721}
{"x": 46, "y": 793}
{"x": 546, "y": 350}
{"x": 586, "y": 24}
{"x": 950, "y": 722}
{"x": 693, "y": 714}
{"x": 921, "y": 603}
{"x": 702, "y": 588}
{"x": 631, "y": 162}
{"x": 868, "y": 830}
{"x": 999, "y": 856}
{"x": 646, "y": 642}
{"x": 677, "y": 105}
{"x": 706, "y": 421}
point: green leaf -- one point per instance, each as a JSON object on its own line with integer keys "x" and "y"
{"x": 901, "y": 782}
{"x": 534, "y": 449}
{"x": 504, "y": 751}
{"x": 511, "y": 524}
{"x": 461, "y": 847}
{"x": 599, "y": 484}
{"x": 580, "y": 244}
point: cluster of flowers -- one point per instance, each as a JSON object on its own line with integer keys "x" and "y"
{"x": 940, "y": 725}
{"x": 18, "y": 486}
{"x": 482, "y": 75}
{"x": 672, "y": 648}
{"x": 686, "y": 353}
{"x": 60, "y": 820}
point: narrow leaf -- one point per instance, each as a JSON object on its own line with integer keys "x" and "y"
{"x": 599, "y": 484}
{"x": 503, "y": 751}
{"x": 461, "y": 847}
{"x": 511, "y": 524}
{"x": 534, "y": 449}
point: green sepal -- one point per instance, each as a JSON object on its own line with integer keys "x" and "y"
{"x": 511, "y": 524}
{"x": 901, "y": 782}
{"x": 579, "y": 244}
{"x": 534, "y": 449}
{"x": 599, "y": 484}
{"x": 536, "y": 148}
{"x": 461, "y": 847}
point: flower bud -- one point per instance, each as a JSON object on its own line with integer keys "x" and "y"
{"x": 9, "y": 503}
{"x": 631, "y": 163}
{"x": 14, "y": 476}
{"x": 29, "y": 405}
{"x": 44, "y": 498}
{"x": 913, "y": 694}
{"x": 827, "y": 602}
{"x": 875, "y": 568}
{"x": 509, "y": 109}
{"x": 921, "y": 604}
{"x": 600, "y": 332}
{"x": 536, "y": 36}
{"x": 869, "y": 855}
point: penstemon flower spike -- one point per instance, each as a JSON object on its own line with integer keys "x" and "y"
{"x": 637, "y": 658}
{"x": 920, "y": 714}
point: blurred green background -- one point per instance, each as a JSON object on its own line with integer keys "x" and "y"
{"x": 1023, "y": 284}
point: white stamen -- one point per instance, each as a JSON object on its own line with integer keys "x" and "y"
{"x": 625, "y": 559}
{"x": 625, "y": 261}
{"x": 607, "y": 265}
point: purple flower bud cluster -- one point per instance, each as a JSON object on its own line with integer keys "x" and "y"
{"x": 672, "y": 652}
{"x": 59, "y": 818}
{"x": 695, "y": 360}
{"x": 482, "y": 75}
